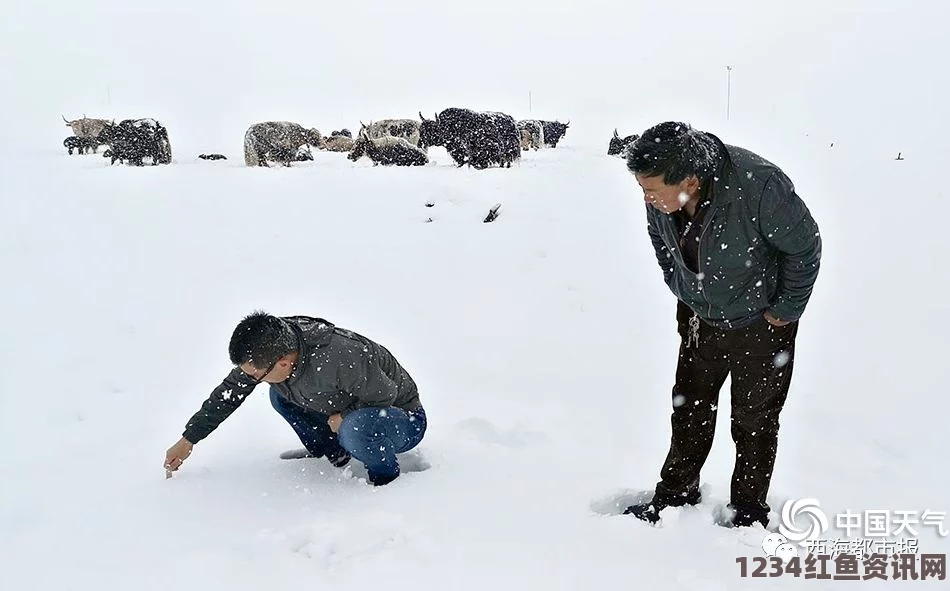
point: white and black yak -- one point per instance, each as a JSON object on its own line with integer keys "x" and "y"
{"x": 88, "y": 128}
{"x": 407, "y": 129}
{"x": 388, "y": 151}
{"x": 531, "y": 133}
{"x": 278, "y": 141}
{"x": 339, "y": 143}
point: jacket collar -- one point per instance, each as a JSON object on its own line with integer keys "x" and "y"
{"x": 725, "y": 179}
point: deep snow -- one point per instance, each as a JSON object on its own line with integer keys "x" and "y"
{"x": 544, "y": 343}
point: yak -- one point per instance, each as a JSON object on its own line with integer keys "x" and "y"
{"x": 278, "y": 141}
{"x": 618, "y": 145}
{"x": 479, "y": 139}
{"x": 531, "y": 133}
{"x": 553, "y": 132}
{"x": 408, "y": 129}
{"x": 339, "y": 143}
{"x": 81, "y": 144}
{"x": 133, "y": 140}
{"x": 86, "y": 127}
{"x": 388, "y": 151}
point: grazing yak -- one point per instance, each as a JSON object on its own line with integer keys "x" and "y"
{"x": 81, "y": 144}
{"x": 618, "y": 145}
{"x": 531, "y": 133}
{"x": 278, "y": 141}
{"x": 407, "y": 129}
{"x": 387, "y": 150}
{"x": 479, "y": 139}
{"x": 133, "y": 140}
{"x": 339, "y": 143}
{"x": 553, "y": 132}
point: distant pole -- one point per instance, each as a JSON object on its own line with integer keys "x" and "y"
{"x": 529, "y": 101}
{"x": 728, "y": 89}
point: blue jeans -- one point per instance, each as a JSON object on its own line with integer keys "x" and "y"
{"x": 372, "y": 435}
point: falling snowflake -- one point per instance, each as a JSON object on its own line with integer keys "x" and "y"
{"x": 679, "y": 400}
{"x": 782, "y": 359}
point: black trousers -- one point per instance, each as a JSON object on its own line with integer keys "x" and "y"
{"x": 759, "y": 358}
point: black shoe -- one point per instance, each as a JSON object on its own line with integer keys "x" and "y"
{"x": 382, "y": 480}
{"x": 650, "y": 512}
{"x": 644, "y": 512}
{"x": 339, "y": 458}
{"x": 749, "y": 517}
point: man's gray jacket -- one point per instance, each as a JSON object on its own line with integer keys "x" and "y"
{"x": 759, "y": 246}
{"x": 338, "y": 371}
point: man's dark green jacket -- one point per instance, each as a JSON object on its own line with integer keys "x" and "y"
{"x": 759, "y": 246}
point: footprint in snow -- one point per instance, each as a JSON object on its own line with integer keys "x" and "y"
{"x": 348, "y": 541}
{"x": 413, "y": 461}
{"x": 615, "y": 504}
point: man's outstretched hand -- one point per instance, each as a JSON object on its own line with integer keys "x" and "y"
{"x": 177, "y": 454}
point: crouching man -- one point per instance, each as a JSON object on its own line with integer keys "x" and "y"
{"x": 344, "y": 395}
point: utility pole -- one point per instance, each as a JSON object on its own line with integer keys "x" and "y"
{"x": 728, "y": 89}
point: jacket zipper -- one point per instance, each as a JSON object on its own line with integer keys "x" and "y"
{"x": 700, "y": 275}
{"x": 707, "y": 221}
{"x": 699, "y": 258}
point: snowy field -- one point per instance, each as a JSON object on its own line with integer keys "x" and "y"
{"x": 543, "y": 343}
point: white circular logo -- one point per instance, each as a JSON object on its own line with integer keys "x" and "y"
{"x": 771, "y": 543}
{"x": 786, "y": 552}
{"x": 802, "y": 520}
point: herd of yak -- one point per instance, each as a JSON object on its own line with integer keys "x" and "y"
{"x": 480, "y": 139}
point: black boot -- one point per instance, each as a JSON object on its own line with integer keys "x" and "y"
{"x": 746, "y": 517}
{"x": 650, "y": 512}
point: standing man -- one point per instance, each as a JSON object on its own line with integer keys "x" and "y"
{"x": 740, "y": 251}
{"x": 343, "y": 394}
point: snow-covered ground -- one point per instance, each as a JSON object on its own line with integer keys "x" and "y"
{"x": 544, "y": 343}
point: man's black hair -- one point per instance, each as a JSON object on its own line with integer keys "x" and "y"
{"x": 674, "y": 151}
{"x": 261, "y": 339}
